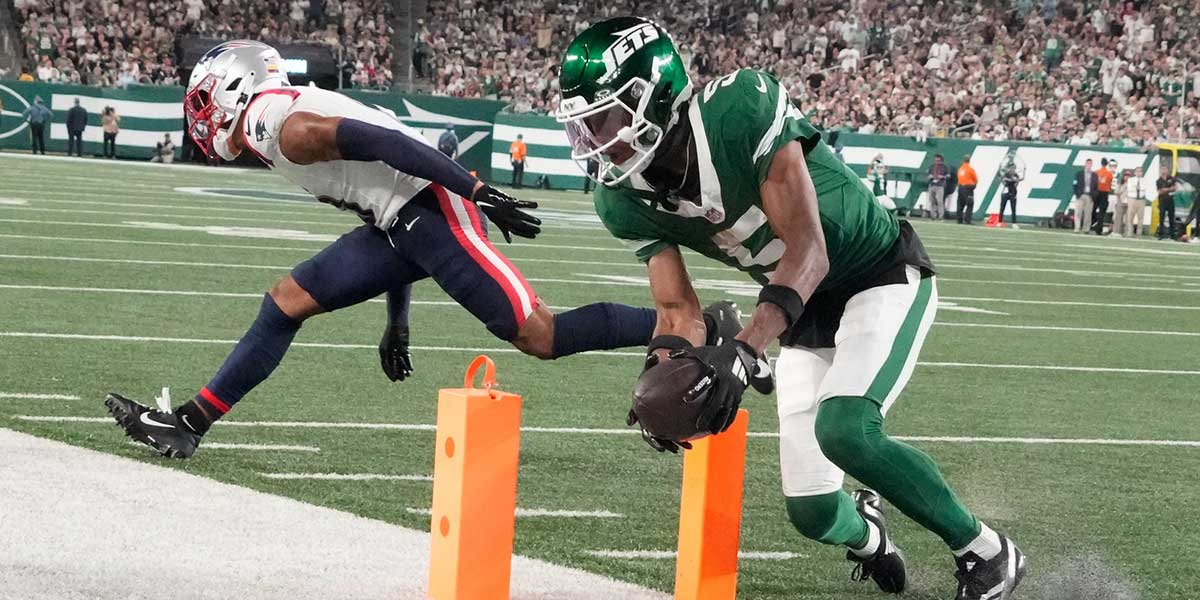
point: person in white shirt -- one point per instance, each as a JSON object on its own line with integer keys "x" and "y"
{"x": 1137, "y": 193}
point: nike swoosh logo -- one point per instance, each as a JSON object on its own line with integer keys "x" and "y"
{"x": 145, "y": 418}
{"x": 408, "y": 226}
{"x": 762, "y": 85}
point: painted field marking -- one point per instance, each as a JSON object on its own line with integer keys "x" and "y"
{"x": 313, "y": 249}
{"x": 345, "y": 477}
{"x": 670, "y": 554}
{"x": 542, "y": 512}
{"x": 25, "y": 396}
{"x": 1071, "y": 329}
{"x": 1069, "y": 303}
{"x": 611, "y": 431}
{"x": 126, "y": 338}
{"x": 251, "y": 447}
{"x": 1101, "y": 286}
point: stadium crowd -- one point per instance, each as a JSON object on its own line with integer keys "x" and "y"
{"x": 1079, "y": 71}
{"x": 120, "y": 42}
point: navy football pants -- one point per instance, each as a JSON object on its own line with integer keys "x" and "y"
{"x": 437, "y": 234}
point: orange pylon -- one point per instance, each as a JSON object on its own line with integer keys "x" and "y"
{"x": 710, "y": 514}
{"x": 474, "y": 489}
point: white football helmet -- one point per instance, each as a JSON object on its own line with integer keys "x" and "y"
{"x": 222, "y": 84}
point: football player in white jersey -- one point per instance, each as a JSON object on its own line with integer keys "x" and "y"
{"x": 422, "y": 220}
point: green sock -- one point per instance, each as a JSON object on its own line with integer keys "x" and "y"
{"x": 828, "y": 518}
{"x": 850, "y": 431}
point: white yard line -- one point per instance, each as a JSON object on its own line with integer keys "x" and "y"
{"x": 252, "y": 447}
{"x": 25, "y": 396}
{"x": 523, "y": 513}
{"x": 1069, "y": 303}
{"x": 1099, "y": 286}
{"x": 312, "y": 250}
{"x": 627, "y": 431}
{"x": 344, "y": 477}
{"x": 633, "y": 354}
{"x": 1071, "y": 329}
{"x": 670, "y": 555}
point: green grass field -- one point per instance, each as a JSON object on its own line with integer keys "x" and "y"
{"x": 116, "y": 277}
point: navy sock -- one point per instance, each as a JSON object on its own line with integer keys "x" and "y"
{"x": 251, "y": 362}
{"x": 602, "y": 326}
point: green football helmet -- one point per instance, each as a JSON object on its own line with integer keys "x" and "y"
{"x": 622, "y": 82}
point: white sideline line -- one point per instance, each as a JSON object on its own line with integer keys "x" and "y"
{"x": 1071, "y": 329}
{"x": 345, "y": 477}
{"x": 132, "y": 261}
{"x": 255, "y": 447}
{"x": 1064, "y": 368}
{"x": 605, "y": 431}
{"x": 542, "y": 512}
{"x": 670, "y": 554}
{"x": 313, "y": 249}
{"x": 126, "y": 338}
{"x": 1101, "y": 286}
{"x": 1069, "y": 303}
{"x": 58, "y": 288}
{"x": 24, "y": 396}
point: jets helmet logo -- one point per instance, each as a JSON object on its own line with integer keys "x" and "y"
{"x": 628, "y": 41}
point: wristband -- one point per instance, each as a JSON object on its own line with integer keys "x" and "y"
{"x": 667, "y": 342}
{"x": 786, "y": 299}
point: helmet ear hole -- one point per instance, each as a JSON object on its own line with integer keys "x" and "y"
{"x": 233, "y": 85}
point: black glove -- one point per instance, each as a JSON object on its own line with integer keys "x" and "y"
{"x": 505, "y": 211}
{"x": 393, "y": 353}
{"x": 733, "y": 363}
{"x": 660, "y": 444}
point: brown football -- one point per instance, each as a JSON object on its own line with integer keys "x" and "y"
{"x": 662, "y": 402}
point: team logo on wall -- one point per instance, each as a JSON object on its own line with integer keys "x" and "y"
{"x": 14, "y": 104}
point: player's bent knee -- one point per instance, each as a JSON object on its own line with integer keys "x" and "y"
{"x": 535, "y": 337}
{"x": 293, "y": 300}
{"x": 843, "y": 430}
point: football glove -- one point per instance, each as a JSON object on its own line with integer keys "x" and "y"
{"x": 393, "y": 353}
{"x": 505, "y": 211}
{"x": 732, "y": 363}
{"x": 660, "y": 444}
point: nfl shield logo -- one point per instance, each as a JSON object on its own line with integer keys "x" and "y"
{"x": 714, "y": 216}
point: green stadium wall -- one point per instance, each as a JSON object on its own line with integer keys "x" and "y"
{"x": 147, "y": 112}
{"x": 1049, "y": 168}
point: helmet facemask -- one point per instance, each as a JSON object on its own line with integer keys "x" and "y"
{"x": 594, "y": 130}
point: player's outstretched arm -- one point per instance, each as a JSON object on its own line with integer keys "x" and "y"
{"x": 306, "y": 138}
{"x": 790, "y": 203}
{"x": 680, "y": 322}
{"x": 394, "y": 356}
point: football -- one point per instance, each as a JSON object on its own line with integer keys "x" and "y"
{"x": 665, "y": 402}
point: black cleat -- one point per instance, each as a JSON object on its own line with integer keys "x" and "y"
{"x": 886, "y": 566}
{"x": 994, "y": 579}
{"x": 155, "y": 428}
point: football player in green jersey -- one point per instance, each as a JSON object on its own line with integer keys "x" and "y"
{"x": 735, "y": 172}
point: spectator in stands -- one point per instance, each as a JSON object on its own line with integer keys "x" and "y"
{"x": 967, "y": 180}
{"x": 164, "y": 151}
{"x": 37, "y": 116}
{"x": 1167, "y": 185}
{"x": 516, "y": 152}
{"x": 448, "y": 142}
{"x": 1104, "y": 185}
{"x": 1085, "y": 193}
{"x": 110, "y": 121}
{"x": 76, "y": 123}
{"x": 25, "y": 75}
{"x": 936, "y": 194}
{"x": 1136, "y": 195}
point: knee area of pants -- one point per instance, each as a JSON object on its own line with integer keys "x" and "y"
{"x": 841, "y": 435}
{"x": 812, "y": 516}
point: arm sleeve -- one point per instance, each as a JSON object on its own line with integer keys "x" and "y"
{"x": 397, "y": 306}
{"x": 358, "y": 140}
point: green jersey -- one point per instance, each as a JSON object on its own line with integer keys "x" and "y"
{"x": 739, "y": 122}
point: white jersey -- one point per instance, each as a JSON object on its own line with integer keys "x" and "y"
{"x": 374, "y": 190}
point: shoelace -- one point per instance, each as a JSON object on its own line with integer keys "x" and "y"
{"x": 862, "y": 571}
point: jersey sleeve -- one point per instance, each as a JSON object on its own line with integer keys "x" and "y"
{"x": 628, "y": 219}
{"x": 759, "y": 118}
{"x": 264, "y": 118}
